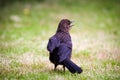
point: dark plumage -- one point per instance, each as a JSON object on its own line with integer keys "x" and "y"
{"x": 60, "y": 47}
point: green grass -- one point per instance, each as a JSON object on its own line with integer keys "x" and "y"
{"x": 26, "y": 27}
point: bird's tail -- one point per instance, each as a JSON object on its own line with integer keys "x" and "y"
{"x": 72, "y": 67}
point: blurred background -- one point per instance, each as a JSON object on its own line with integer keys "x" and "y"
{"x": 26, "y": 26}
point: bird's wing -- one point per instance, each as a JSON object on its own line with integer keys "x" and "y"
{"x": 52, "y": 44}
{"x": 64, "y": 52}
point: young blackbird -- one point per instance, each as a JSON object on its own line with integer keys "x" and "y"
{"x": 60, "y": 47}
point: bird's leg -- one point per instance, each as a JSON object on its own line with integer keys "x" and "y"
{"x": 55, "y": 67}
{"x": 63, "y": 68}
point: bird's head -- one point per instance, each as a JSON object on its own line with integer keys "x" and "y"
{"x": 64, "y": 25}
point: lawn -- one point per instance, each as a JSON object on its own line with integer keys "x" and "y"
{"x": 25, "y": 28}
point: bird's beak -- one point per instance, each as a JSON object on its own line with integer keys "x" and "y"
{"x": 71, "y": 24}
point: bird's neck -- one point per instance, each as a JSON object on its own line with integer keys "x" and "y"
{"x": 64, "y": 32}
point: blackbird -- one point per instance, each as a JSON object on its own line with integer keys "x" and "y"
{"x": 60, "y": 47}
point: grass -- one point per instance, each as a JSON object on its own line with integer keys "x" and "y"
{"x": 26, "y": 27}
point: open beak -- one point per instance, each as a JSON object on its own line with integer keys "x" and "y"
{"x": 71, "y": 24}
